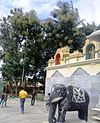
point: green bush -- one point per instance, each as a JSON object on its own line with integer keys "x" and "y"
{"x": 40, "y": 97}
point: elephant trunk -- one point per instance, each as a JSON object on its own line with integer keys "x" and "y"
{"x": 52, "y": 112}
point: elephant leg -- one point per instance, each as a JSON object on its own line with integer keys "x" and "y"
{"x": 63, "y": 111}
{"x": 59, "y": 111}
{"x": 83, "y": 114}
{"x": 62, "y": 116}
{"x": 52, "y": 112}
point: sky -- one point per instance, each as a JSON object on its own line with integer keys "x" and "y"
{"x": 88, "y": 9}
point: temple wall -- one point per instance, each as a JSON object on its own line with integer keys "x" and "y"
{"x": 79, "y": 69}
{"x": 85, "y": 74}
{"x": 91, "y": 83}
{"x": 91, "y": 67}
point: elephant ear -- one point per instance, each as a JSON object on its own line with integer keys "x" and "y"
{"x": 56, "y": 99}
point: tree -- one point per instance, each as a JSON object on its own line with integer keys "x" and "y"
{"x": 87, "y": 29}
{"x": 10, "y": 42}
{"x": 24, "y": 48}
{"x": 32, "y": 47}
{"x": 62, "y": 29}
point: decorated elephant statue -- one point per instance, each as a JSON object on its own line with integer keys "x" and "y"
{"x": 68, "y": 98}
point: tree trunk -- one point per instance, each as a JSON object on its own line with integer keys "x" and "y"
{"x": 34, "y": 80}
{"x": 16, "y": 92}
{"x": 10, "y": 88}
{"x": 23, "y": 78}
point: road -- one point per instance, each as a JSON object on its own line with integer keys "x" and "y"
{"x": 33, "y": 114}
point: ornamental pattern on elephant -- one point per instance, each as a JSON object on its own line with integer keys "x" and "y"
{"x": 78, "y": 95}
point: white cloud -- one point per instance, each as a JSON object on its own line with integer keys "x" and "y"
{"x": 42, "y": 7}
{"x": 88, "y": 9}
{"x": 25, "y": 4}
{"x": 3, "y": 9}
{"x": 45, "y": 9}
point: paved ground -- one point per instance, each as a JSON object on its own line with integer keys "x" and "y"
{"x": 33, "y": 114}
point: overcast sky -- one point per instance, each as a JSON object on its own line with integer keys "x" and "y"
{"x": 88, "y": 9}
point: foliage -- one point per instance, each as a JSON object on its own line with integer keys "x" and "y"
{"x": 87, "y": 29}
{"x": 40, "y": 97}
{"x": 63, "y": 28}
{"x": 11, "y": 69}
{"x": 21, "y": 45}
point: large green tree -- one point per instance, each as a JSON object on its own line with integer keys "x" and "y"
{"x": 63, "y": 28}
{"x": 11, "y": 44}
{"x": 22, "y": 48}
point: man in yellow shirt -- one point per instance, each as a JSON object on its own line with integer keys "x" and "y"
{"x": 22, "y": 95}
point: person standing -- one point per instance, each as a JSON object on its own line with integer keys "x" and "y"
{"x": 22, "y": 95}
{"x": 4, "y": 99}
{"x": 33, "y": 97}
{"x": 4, "y": 96}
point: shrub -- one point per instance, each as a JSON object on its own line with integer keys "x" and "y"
{"x": 40, "y": 97}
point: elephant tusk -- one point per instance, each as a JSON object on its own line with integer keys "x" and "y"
{"x": 56, "y": 99}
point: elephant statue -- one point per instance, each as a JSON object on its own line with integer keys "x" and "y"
{"x": 70, "y": 98}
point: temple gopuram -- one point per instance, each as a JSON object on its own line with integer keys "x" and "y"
{"x": 80, "y": 69}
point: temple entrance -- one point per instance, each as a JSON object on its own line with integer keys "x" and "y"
{"x": 90, "y": 51}
{"x": 57, "y": 59}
